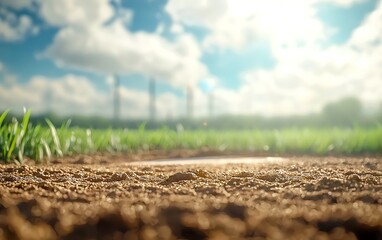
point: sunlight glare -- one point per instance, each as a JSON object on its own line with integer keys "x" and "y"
{"x": 287, "y": 20}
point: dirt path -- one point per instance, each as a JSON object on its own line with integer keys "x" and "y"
{"x": 108, "y": 198}
{"x": 210, "y": 161}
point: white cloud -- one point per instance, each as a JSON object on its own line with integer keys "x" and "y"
{"x": 113, "y": 49}
{"x": 204, "y": 13}
{"x": 125, "y": 15}
{"x": 67, "y": 95}
{"x": 73, "y": 94}
{"x": 344, "y": 3}
{"x": 72, "y": 12}
{"x": 13, "y": 27}
{"x": 176, "y": 29}
{"x": 237, "y": 23}
{"x": 369, "y": 34}
{"x": 85, "y": 43}
{"x": 306, "y": 78}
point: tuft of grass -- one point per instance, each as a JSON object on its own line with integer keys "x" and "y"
{"x": 12, "y": 137}
{"x": 41, "y": 143}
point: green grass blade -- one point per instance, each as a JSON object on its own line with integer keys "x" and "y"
{"x": 14, "y": 137}
{"x": 56, "y": 140}
{"x": 2, "y": 116}
{"x": 26, "y": 120}
{"x": 47, "y": 149}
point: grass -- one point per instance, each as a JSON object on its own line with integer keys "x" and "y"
{"x": 41, "y": 143}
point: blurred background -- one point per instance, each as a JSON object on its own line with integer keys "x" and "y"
{"x": 218, "y": 64}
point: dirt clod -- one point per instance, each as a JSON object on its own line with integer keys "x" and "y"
{"x": 180, "y": 176}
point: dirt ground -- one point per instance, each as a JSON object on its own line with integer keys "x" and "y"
{"x": 106, "y": 197}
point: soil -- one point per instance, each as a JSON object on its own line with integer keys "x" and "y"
{"x": 107, "y": 197}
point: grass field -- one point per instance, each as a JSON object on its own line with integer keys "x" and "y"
{"x": 41, "y": 143}
{"x": 106, "y": 196}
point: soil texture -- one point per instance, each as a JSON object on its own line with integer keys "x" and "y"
{"x": 107, "y": 197}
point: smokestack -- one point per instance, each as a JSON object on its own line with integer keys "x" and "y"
{"x": 117, "y": 101}
{"x": 189, "y": 102}
{"x": 152, "y": 109}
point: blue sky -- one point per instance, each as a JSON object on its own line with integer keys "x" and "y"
{"x": 274, "y": 58}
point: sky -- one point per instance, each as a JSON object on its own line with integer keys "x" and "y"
{"x": 270, "y": 58}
